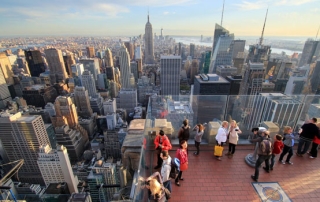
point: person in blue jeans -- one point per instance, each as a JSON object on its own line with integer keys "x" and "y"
{"x": 308, "y": 132}
{"x": 165, "y": 169}
{"x": 288, "y": 142}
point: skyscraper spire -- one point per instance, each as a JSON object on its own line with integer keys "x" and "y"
{"x": 261, "y": 38}
{"x": 148, "y": 14}
{"x": 222, "y": 13}
{"x": 317, "y": 33}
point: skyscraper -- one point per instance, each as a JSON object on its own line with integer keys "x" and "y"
{"x": 125, "y": 67}
{"x": 222, "y": 54}
{"x": 69, "y": 60}
{"x": 314, "y": 81}
{"x": 170, "y": 67}
{"x": 92, "y": 65}
{"x": 81, "y": 99}
{"x": 310, "y": 52}
{"x": 110, "y": 73}
{"x": 6, "y": 68}
{"x": 148, "y": 49}
{"x": 90, "y": 52}
{"x": 21, "y": 138}
{"x": 192, "y": 49}
{"x": 218, "y": 31}
{"x": 55, "y": 167}
{"x": 253, "y": 78}
{"x": 259, "y": 53}
{"x": 35, "y": 62}
{"x": 58, "y": 71}
{"x": 108, "y": 58}
{"x": 87, "y": 81}
{"x": 194, "y": 70}
{"x": 130, "y": 48}
{"x": 4, "y": 91}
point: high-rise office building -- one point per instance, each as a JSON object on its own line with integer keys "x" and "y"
{"x": 110, "y": 73}
{"x": 125, "y": 67}
{"x": 90, "y": 52}
{"x": 281, "y": 109}
{"x": 39, "y": 95}
{"x": 66, "y": 113}
{"x": 148, "y": 46}
{"x": 258, "y": 53}
{"x": 192, "y": 50}
{"x": 55, "y": 167}
{"x": 88, "y": 82}
{"x": 310, "y": 52}
{"x": 235, "y": 83}
{"x": 194, "y": 69}
{"x": 6, "y": 68}
{"x": 218, "y": 31}
{"x": 69, "y": 60}
{"x": 108, "y": 58}
{"x": 314, "y": 81}
{"x": 82, "y": 102}
{"x": 130, "y": 48}
{"x": 226, "y": 70}
{"x": 210, "y": 84}
{"x": 22, "y": 64}
{"x": 35, "y": 62}
{"x": 134, "y": 70}
{"x": 4, "y": 92}
{"x": 297, "y": 80}
{"x": 137, "y": 53}
{"x": 170, "y": 67}
{"x": 21, "y": 137}
{"x": 58, "y": 71}
{"x": 206, "y": 63}
{"x": 222, "y": 54}
{"x": 109, "y": 106}
{"x": 92, "y": 65}
{"x": 253, "y": 78}
{"x": 102, "y": 81}
{"x": 124, "y": 96}
{"x": 77, "y": 69}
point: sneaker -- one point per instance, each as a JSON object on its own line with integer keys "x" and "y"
{"x": 254, "y": 178}
{"x": 282, "y": 162}
{"x": 312, "y": 157}
{"x": 289, "y": 162}
{"x": 178, "y": 184}
{"x": 264, "y": 168}
{"x": 300, "y": 155}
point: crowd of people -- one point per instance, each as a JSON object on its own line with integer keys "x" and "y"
{"x": 159, "y": 184}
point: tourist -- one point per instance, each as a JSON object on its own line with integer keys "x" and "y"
{"x": 182, "y": 155}
{"x": 288, "y": 142}
{"x": 277, "y": 148}
{"x": 308, "y": 131}
{"x": 264, "y": 156}
{"x": 315, "y": 143}
{"x": 165, "y": 169}
{"x": 197, "y": 138}
{"x": 162, "y": 143}
{"x": 156, "y": 190}
{"x": 233, "y": 138}
{"x": 184, "y": 132}
{"x": 221, "y": 136}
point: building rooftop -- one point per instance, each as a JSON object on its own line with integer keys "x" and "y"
{"x": 219, "y": 80}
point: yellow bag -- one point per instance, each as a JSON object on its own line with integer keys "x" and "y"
{"x": 218, "y": 150}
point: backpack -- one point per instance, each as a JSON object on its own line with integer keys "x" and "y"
{"x": 266, "y": 146}
{"x": 184, "y": 134}
{"x": 175, "y": 168}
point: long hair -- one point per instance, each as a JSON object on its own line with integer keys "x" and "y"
{"x": 235, "y": 123}
{"x": 155, "y": 187}
{"x": 182, "y": 142}
{"x": 200, "y": 127}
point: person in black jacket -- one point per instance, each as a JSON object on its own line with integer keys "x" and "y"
{"x": 309, "y": 131}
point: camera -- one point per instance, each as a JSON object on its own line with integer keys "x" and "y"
{"x": 236, "y": 130}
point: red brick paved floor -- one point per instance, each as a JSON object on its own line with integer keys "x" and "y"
{"x": 229, "y": 180}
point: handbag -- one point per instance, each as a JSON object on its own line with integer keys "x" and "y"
{"x": 218, "y": 150}
{"x": 184, "y": 166}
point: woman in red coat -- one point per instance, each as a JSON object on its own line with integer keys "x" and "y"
{"x": 182, "y": 155}
{"x": 315, "y": 143}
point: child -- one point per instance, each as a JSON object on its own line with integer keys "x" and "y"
{"x": 288, "y": 144}
{"x": 277, "y": 148}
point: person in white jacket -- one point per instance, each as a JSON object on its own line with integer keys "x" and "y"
{"x": 221, "y": 137}
{"x": 165, "y": 169}
{"x": 233, "y": 137}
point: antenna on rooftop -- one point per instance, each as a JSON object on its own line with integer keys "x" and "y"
{"x": 222, "y": 13}
{"x": 317, "y": 32}
{"x": 261, "y": 38}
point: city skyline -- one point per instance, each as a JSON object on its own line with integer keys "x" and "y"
{"x": 181, "y": 17}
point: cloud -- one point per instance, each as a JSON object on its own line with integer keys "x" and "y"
{"x": 158, "y": 3}
{"x": 246, "y": 5}
{"x": 259, "y": 4}
{"x": 165, "y": 13}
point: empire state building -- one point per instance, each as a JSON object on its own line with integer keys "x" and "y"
{"x": 148, "y": 50}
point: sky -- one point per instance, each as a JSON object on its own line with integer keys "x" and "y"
{"x": 176, "y": 17}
